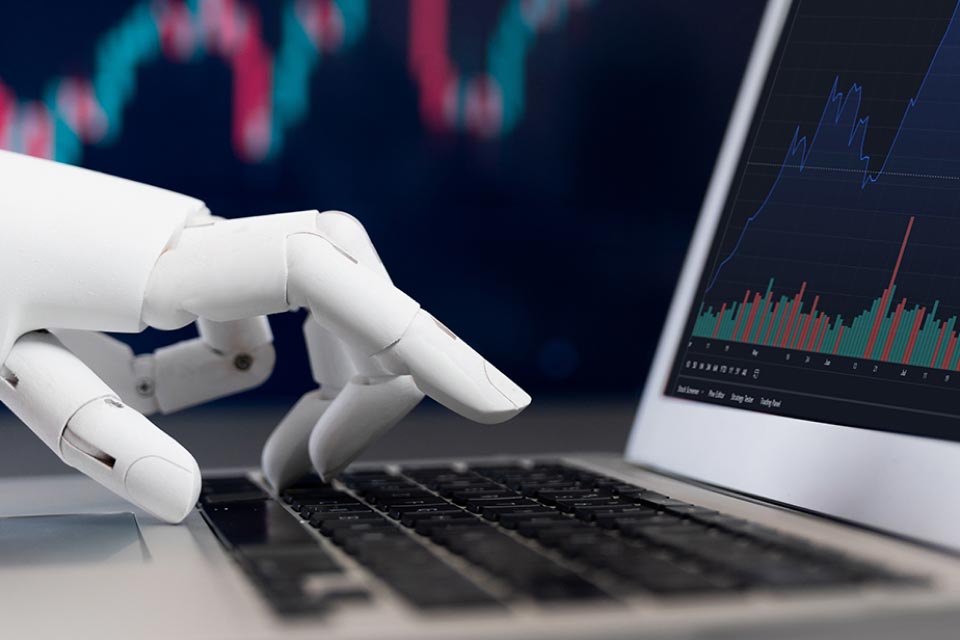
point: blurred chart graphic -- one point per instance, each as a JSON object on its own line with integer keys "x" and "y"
{"x": 271, "y": 86}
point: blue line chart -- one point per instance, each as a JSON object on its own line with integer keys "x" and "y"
{"x": 800, "y": 148}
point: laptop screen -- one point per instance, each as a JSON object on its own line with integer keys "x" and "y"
{"x": 832, "y": 288}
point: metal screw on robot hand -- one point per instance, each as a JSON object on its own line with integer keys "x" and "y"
{"x": 145, "y": 387}
{"x": 243, "y": 361}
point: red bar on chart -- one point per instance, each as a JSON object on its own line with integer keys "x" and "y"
{"x": 740, "y": 314}
{"x": 719, "y": 319}
{"x": 801, "y": 340}
{"x": 885, "y": 299}
{"x": 793, "y": 313}
{"x": 893, "y": 330}
{"x": 825, "y": 325}
{"x": 913, "y": 335}
{"x": 936, "y": 349}
{"x": 948, "y": 352}
{"x": 745, "y": 336}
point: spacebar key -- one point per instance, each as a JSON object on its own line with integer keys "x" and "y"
{"x": 419, "y": 576}
{"x": 439, "y": 588}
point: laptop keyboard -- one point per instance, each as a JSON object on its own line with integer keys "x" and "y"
{"x": 495, "y": 535}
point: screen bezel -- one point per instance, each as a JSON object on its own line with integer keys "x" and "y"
{"x": 884, "y": 480}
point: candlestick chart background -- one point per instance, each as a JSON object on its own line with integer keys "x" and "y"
{"x": 483, "y": 144}
{"x": 841, "y": 236}
{"x": 270, "y": 88}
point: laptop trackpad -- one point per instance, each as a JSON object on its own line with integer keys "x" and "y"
{"x": 71, "y": 539}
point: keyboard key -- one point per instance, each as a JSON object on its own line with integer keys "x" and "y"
{"x": 513, "y": 519}
{"x": 528, "y": 572}
{"x": 251, "y": 496}
{"x": 289, "y": 562}
{"x": 771, "y": 537}
{"x": 631, "y": 495}
{"x": 329, "y": 520}
{"x": 690, "y": 511}
{"x": 431, "y": 480}
{"x": 428, "y": 526}
{"x": 481, "y": 493}
{"x": 449, "y": 488}
{"x": 233, "y": 489}
{"x": 411, "y": 519}
{"x": 431, "y": 506}
{"x": 426, "y": 472}
{"x": 549, "y": 497}
{"x": 590, "y": 512}
{"x": 496, "y": 472}
{"x": 532, "y": 481}
{"x": 477, "y": 504}
{"x": 438, "y": 506}
{"x": 649, "y": 529}
{"x": 364, "y": 534}
{"x": 664, "y": 577}
{"x": 534, "y": 527}
{"x": 257, "y": 523}
{"x": 232, "y": 484}
{"x": 307, "y": 493}
{"x": 334, "y": 508}
{"x": 332, "y": 527}
{"x": 554, "y": 536}
{"x": 531, "y": 489}
{"x": 747, "y": 559}
{"x": 563, "y": 586}
{"x": 605, "y": 551}
{"x": 577, "y": 544}
{"x": 635, "y": 524}
{"x": 311, "y": 504}
{"x": 611, "y": 487}
{"x": 625, "y": 488}
{"x": 365, "y": 475}
{"x": 459, "y": 532}
{"x": 568, "y": 506}
{"x": 440, "y": 588}
{"x": 309, "y": 480}
{"x": 308, "y": 510}
{"x": 614, "y": 519}
{"x": 417, "y": 575}
{"x": 378, "y": 488}
{"x": 374, "y": 551}
{"x": 493, "y": 512}
{"x": 658, "y": 501}
{"x": 388, "y": 497}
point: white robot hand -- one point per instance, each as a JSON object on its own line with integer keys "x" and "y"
{"x": 82, "y": 252}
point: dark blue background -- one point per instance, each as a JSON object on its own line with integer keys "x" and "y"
{"x": 553, "y": 251}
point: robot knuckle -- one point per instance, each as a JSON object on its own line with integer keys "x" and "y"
{"x": 343, "y": 230}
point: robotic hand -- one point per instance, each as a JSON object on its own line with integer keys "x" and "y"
{"x": 82, "y": 252}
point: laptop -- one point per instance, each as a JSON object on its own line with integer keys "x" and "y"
{"x": 791, "y": 466}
